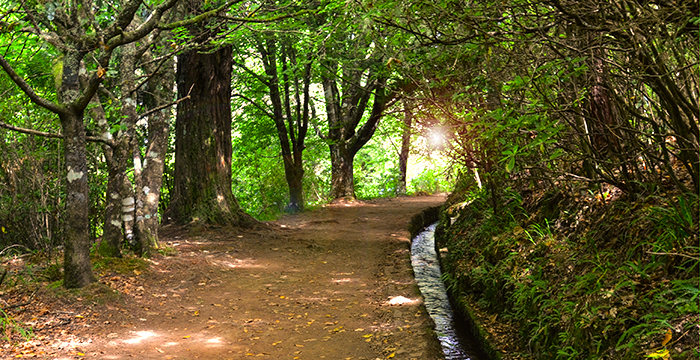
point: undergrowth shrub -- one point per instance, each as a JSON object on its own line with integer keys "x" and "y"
{"x": 593, "y": 279}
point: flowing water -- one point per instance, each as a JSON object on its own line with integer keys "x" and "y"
{"x": 426, "y": 267}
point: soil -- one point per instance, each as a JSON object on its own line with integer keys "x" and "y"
{"x": 334, "y": 283}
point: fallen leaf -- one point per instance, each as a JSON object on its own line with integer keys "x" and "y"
{"x": 187, "y": 336}
{"x": 391, "y": 355}
{"x": 667, "y": 338}
{"x": 661, "y": 354}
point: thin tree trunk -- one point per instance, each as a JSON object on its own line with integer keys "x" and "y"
{"x": 405, "y": 146}
{"x": 291, "y": 125}
{"x": 112, "y": 234}
{"x": 149, "y": 183}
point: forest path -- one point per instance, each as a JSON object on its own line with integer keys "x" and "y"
{"x": 334, "y": 283}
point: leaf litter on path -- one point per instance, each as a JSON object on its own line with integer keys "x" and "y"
{"x": 262, "y": 293}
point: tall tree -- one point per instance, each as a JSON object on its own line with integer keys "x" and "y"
{"x": 149, "y": 177}
{"x": 287, "y": 62}
{"x": 202, "y": 190}
{"x": 354, "y": 78}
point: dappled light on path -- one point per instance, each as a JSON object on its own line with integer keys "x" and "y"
{"x": 335, "y": 283}
{"x": 140, "y": 336}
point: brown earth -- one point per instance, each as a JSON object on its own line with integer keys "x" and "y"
{"x": 334, "y": 283}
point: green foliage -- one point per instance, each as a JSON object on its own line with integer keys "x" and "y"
{"x": 9, "y": 325}
{"x": 376, "y": 169}
{"x": 258, "y": 173}
{"x": 577, "y": 292}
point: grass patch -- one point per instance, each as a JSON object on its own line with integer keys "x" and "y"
{"x": 124, "y": 266}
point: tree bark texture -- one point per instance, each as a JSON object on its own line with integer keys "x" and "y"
{"x": 112, "y": 234}
{"x": 77, "y": 267}
{"x": 149, "y": 183}
{"x": 202, "y": 189}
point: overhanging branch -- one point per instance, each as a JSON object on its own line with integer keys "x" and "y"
{"x": 27, "y": 89}
{"x": 51, "y": 135}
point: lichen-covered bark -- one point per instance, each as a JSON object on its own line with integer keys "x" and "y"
{"x": 119, "y": 215}
{"x": 202, "y": 189}
{"x": 112, "y": 234}
{"x": 149, "y": 183}
{"x": 112, "y": 227}
{"x": 77, "y": 267}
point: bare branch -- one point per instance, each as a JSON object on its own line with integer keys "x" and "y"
{"x": 51, "y": 135}
{"x": 149, "y": 112}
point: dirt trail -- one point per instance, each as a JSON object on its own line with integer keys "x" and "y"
{"x": 335, "y": 283}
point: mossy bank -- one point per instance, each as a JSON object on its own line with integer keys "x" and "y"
{"x": 576, "y": 273}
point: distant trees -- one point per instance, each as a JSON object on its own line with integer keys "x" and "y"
{"x": 276, "y": 70}
{"x": 593, "y": 91}
{"x": 354, "y": 78}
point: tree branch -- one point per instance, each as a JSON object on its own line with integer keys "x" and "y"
{"x": 196, "y": 19}
{"x": 51, "y": 135}
{"x": 27, "y": 89}
{"x": 251, "y": 102}
{"x": 149, "y": 112}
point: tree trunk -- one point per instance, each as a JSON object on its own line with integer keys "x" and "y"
{"x": 202, "y": 189}
{"x": 294, "y": 174}
{"x": 405, "y": 147}
{"x": 113, "y": 235}
{"x": 342, "y": 181}
{"x": 76, "y": 262}
{"x": 120, "y": 192}
{"x": 345, "y": 136}
{"x": 291, "y": 125}
{"x": 149, "y": 183}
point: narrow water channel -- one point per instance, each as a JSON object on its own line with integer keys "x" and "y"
{"x": 455, "y": 344}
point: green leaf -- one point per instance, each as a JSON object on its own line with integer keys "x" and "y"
{"x": 510, "y": 164}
